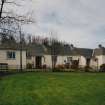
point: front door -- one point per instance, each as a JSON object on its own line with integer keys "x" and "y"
{"x": 88, "y": 62}
{"x": 38, "y": 62}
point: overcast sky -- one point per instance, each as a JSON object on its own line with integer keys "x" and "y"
{"x": 81, "y": 22}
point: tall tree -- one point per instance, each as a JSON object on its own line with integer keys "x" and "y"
{"x": 55, "y": 48}
{"x": 13, "y": 22}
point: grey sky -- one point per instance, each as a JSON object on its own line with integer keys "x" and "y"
{"x": 81, "y": 22}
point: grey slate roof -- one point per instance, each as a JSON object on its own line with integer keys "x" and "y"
{"x": 99, "y": 51}
{"x": 41, "y": 50}
{"x": 66, "y": 50}
{"x": 11, "y": 47}
{"x": 61, "y": 50}
{"x": 36, "y": 49}
{"x": 78, "y": 51}
{"x": 84, "y": 52}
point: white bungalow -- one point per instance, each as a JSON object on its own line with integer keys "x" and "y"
{"x": 10, "y": 57}
{"x": 98, "y": 57}
{"x": 69, "y": 54}
{"x": 40, "y": 56}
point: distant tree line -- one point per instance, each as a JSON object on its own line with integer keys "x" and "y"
{"x": 9, "y": 37}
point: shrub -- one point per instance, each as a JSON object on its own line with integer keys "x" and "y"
{"x": 59, "y": 70}
{"x": 29, "y": 66}
{"x": 56, "y": 70}
{"x": 60, "y": 67}
{"x": 102, "y": 68}
{"x": 75, "y": 64}
{"x": 67, "y": 65}
{"x": 87, "y": 68}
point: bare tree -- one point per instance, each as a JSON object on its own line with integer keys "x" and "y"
{"x": 13, "y": 22}
{"x": 55, "y": 50}
{"x": 29, "y": 39}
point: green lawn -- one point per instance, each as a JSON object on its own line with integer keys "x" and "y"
{"x": 53, "y": 89}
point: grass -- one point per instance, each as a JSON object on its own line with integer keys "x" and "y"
{"x": 53, "y": 89}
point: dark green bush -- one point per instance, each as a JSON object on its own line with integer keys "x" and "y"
{"x": 67, "y": 66}
{"x": 87, "y": 68}
{"x": 75, "y": 64}
{"x": 57, "y": 70}
{"x": 29, "y": 66}
{"x": 102, "y": 68}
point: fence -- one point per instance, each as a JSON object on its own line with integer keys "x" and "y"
{"x": 16, "y": 68}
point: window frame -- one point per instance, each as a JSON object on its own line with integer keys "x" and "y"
{"x": 11, "y": 55}
{"x": 69, "y": 59}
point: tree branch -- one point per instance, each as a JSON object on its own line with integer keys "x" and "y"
{"x": 13, "y": 3}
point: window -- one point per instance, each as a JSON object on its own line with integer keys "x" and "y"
{"x": 87, "y": 61}
{"x": 11, "y": 55}
{"x": 69, "y": 59}
{"x": 28, "y": 55}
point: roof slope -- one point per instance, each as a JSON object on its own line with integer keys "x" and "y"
{"x": 99, "y": 51}
{"x": 67, "y": 50}
{"x": 36, "y": 49}
{"x": 63, "y": 50}
{"x": 11, "y": 47}
{"x": 58, "y": 50}
{"x": 84, "y": 52}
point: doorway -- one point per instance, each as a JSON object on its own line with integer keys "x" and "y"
{"x": 88, "y": 62}
{"x": 38, "y": 62}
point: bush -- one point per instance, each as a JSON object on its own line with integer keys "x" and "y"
{"x": 75, "y": 64}
{"x": 60, "y": 67}
{"x": 67, "y": 66}
{"x": 58, "y": 70}
{"x": 29, "y": 66}
{"x": 102, "y": 68}
{"x": 86, "y": 68}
